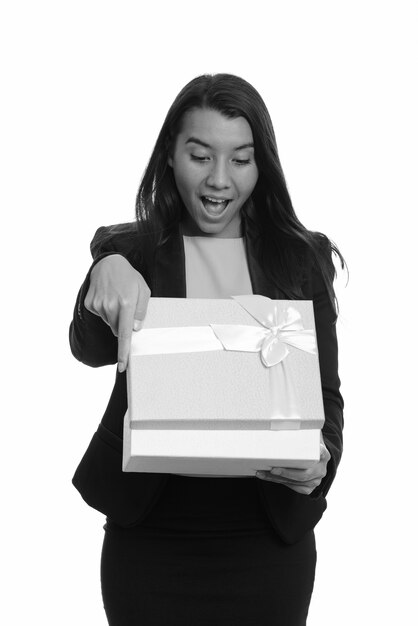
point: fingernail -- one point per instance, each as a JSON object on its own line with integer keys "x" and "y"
{"x": 137, "y": 325}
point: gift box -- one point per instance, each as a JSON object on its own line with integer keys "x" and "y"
{"x": 223, "y": 387}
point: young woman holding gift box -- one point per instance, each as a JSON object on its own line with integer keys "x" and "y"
{"x": 214, "y": 219}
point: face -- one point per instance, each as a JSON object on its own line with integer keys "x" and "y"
{"x": 215, "y": 171}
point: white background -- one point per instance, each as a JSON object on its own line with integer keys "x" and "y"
{"x": 86, "y": 86}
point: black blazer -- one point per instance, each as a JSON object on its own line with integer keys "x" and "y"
{"x": 127, "y": 498}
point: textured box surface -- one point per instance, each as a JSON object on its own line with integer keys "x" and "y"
{"x": 208, "y": 386}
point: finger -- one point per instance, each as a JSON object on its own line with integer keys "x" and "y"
{"x": 110, "y": 317}
{"x": 88, "y": 302}
{"x": 126, "y": 316}
{"x": 312, "y": 478}
{"x": 313, "y": 482}
{"x": 95, "y": 305}
{"x": 293, "y": 474}
{"x": 310, "y": 484}
{"x": 325, "y": 453}
{"x": 141, "y": 305}
{"x": 295, "y": 470}
{"x": 304, "y": 488}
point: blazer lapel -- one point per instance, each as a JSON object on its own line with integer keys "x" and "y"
{"x": 169, "y": 276}
{"x": 261, "y": 284}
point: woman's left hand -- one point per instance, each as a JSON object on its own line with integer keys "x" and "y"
{"x": 303, "y": 481}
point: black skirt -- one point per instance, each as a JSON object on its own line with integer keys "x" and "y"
{"x": 206, "y": 555}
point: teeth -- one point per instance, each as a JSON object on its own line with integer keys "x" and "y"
{"x": 215, "y": 199}
{"x": 214, "y": 206}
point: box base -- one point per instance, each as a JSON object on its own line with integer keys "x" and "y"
{"x": 217, "y": 452}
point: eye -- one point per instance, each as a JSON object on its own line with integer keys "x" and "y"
{"x": 242, "y": 161}
{"x": 194, "y": 157}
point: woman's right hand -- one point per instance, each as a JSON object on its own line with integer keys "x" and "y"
{"x": 119, "y": 295}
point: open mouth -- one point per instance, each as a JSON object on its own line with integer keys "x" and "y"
{"x": 214, "y": 206}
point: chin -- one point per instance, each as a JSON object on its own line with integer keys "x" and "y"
{"x": 215, "y": 229}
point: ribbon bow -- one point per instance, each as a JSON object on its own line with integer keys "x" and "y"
{"x": 279, "y": 327}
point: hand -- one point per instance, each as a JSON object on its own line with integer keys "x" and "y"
{"x": 303, "y": 481}
{"x": 119, "y": 295}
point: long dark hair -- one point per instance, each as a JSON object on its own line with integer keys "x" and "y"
{"x": 281, "y": 241}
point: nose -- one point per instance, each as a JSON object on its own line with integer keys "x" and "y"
{"x": 219, "y": 176}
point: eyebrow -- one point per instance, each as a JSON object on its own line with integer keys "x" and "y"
{"x": 206, "y": 145}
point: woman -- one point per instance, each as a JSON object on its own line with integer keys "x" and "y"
{"x": 214, "y": 219}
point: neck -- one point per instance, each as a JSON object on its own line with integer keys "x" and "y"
{"x": 190, "y": 229}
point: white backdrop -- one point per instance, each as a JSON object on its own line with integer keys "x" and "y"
{"x": 86, "y": 86}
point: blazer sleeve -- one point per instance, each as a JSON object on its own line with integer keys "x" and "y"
{"x": 91, "y": 339}
{"x": 325, "y": 322}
